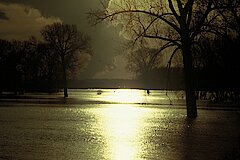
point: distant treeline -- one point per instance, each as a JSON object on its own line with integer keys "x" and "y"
{"x": 43, "y": 65}
{"x": 31, "y": 66}
{"x": 26, "y": 62}
{"x": 205, "y": 79}
{"x": 46, "y": 64}
{"x": 216, "y": 71}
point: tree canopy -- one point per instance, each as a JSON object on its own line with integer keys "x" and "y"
{"x": 175, "y": 24}
{"x": 67, "y": 42}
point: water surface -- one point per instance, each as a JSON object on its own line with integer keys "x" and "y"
{"x": 118, "y": 130}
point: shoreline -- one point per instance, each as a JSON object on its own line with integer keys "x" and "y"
{"x": 40, "y": 98}
{"x": 67, "y": 102}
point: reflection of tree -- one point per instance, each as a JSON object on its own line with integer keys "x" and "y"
{"x": 67, "y": 42}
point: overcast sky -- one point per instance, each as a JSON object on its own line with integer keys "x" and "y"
{"x": 20, "y": 19}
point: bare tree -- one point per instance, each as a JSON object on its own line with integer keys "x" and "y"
{"x": 173, "y": 23}
{"x": 230, "y": 13}
{"x": 142, "y": 60}
{"x": 66, "y": 41}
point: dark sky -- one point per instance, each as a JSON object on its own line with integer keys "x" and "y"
{"x": 20, "y": 19}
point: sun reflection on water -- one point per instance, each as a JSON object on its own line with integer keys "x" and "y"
{"x": 122, "y": 125}
{"x": 125, "y": 96}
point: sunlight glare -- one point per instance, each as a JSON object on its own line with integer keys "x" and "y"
{"x": 125, "y": 96}
{"x": 122, "y": 127}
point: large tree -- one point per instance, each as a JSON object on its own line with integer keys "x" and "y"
{"x": 67, "y": 42}
{"x": 168, "y": 23}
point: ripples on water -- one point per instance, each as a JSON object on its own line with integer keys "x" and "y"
{"x": 126, "y": 96}
{"x": 117, "y": 127}
{"x": 104, "y": 131}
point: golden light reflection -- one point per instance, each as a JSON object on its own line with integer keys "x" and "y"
{"x": 125, "y": 96}
{"x": 122, "y": 125}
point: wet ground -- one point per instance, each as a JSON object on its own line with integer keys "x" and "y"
{"x": 116, "y": 132}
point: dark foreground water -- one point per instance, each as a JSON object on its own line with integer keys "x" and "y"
{"x": 115, "y": 131}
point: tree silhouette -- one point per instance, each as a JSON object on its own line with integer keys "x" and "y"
{"x": 12, "y": 53}
{"x": 66, "y": 41}
{"x": 50, "y": 68}
{"x": 143, "y": 60}
{"x": 172, "y": 23}
{"x": 5, "y": 49}
{"x": 229, "y": 12}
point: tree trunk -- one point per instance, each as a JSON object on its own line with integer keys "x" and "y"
{"x": 64, "y": 79}
{"x": 189, "y": 81}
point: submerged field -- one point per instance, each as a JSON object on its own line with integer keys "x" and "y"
{"x": 116, "y": 128}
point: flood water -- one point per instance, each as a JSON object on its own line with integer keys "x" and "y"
{"x": 137, "y": 96}
{"x": 115, "y": 125}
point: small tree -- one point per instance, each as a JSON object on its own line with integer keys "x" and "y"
{"x": 66, "y": 41}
